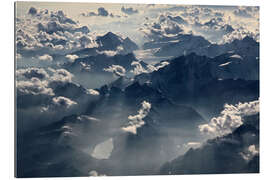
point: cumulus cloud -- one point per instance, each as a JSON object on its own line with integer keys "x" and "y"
{"x": 164, "y": 26}
{"x": 129, "y": 10}
{"x": 85, "y": 67}
{"x": 34, "y": 87}
{"x": 95, "y": 173}
{"x": 230, "y": 118}
{"x": 49, "y": 32}
{"x": 71, "y": 57}
{"x": 250, "y": 152}
{"x": 63, "y": 102}
{"x": 215, "y": 25}
{"x": 41, "y": 81}
{"x": 138, "y": 68}
{"x": 45, "y": 57}
{"x": 136, "y": 121}
{"x": 61, "y": 75}
{"x": 116, "y": 69}
{"x": 93, "y": 92}
{"x": 32, "y": 72}
{"x": 157, "y": 66}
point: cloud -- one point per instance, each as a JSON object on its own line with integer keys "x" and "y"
{"x": 242, "y": 13}
{"x": 45, "y": 57}
{"x": 138, "y": 69}
{"x": 250, "y": 152}
{"x": 129, "y": 11}
{"x": 102, "y": 12}
{"x": 157, "y": 66}
{"x": 136, "y": 121}
{"x": 95, "y": 173}
{"x": 215, "y": 25}
{"x": 71, "y": 57}
{"x": 32, "y": 72}
{"x": 164, "y": 26}
{"x": 49, "y": 32}
{"x": 93, "y": 92}
{"x": 32, "y": 11}
{"x": 61, "y": 76}
{"x": 63, "y": 102}
{"x": 192, "y": 145}
{"x": 230, "y": 118}
{"x": 34, "y": 87}
{"x": 36, "y": 81}
{"x": 116, "y": 69}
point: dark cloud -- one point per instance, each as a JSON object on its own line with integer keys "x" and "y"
{"x": 129, "y": 11}
{"x": 102, "y": 12}
{"x": 32, "y": 11}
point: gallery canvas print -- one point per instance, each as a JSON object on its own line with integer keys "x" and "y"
{"x": 106, "y": 89}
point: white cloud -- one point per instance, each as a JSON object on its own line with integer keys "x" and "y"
{"x": 71, "y": 57}
{"x": 61, "y": 75}
{"x": 192, "y": 145}
{"x": 63, "y": 102}
{"x": 250, "y": 152}
{"x": 45, "y": 57}
{"x": 116, "y": 69}
{"x": 50, "y": 31}
{"x": 95, "y": 173}
{"x": 32, "y": 72}
{"x": 215, "y": 25}
{"x": 230, "y": 118}
{"x": 41, "y": 81}
{"x": 35, "y": 87}
{"x": 138, "y": 69}
{"x": 136, "y": 121}
{"x": 93, "y": 92}
{"x": 158, "y": 66}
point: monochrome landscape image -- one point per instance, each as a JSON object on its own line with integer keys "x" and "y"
{"x": 136, "y": 89}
